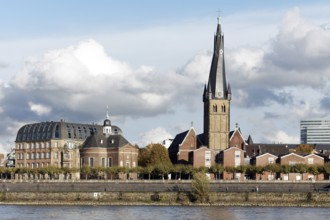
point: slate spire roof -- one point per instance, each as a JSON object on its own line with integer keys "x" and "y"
{"x": 217, "y": 86}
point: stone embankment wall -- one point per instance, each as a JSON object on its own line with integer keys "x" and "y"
{"x": 165, "y": 193}
{"x": 161, "y": 186}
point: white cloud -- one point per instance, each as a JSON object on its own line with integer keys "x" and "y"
{"x": 282, "y": 137}
{"x": 39, "y": 109}
{"x": 156, "y": 135}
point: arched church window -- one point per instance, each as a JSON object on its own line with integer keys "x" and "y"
{"x": 215, "y": 108}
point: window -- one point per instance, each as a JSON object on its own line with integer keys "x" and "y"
{"x": 207, "y": 159}
{"x": 91, "y": 162}
{"x": 37, "y": 145}
{"x": 48, "y": 144}
{"x": 56, "y": 144}
{"x": 42, "y": 155}
{"x": 33, "y": 155}
{"x": 48, "y": 155}
{"x": 215, "y": 108}
{"x": 56, "y": 155}
{"x": 57, "y": 131}
{"x": 103, "y": 162}
{"x": 270, "y": 160}
{"x": 292, "y": 163}
{"x": 109, "y": 162}
{"x": 310, "y": 160}
{"x": 28, "y": 156}
{"x": 237, "y": 158}
{"x": 38, "y": 155}
{"x": 42, "y": 145}
{"x": 28, "y": 146}
{"x": 22, "y": 156}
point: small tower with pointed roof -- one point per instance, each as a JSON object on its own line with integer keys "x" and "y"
{"x": 216, "y": 98}
{"x": 107, "y": 125}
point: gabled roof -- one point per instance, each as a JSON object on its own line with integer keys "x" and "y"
{"x": 292, "y": 154}
{"x": 179, "y": 139}
{"x": 262, "y": 155}
{"x": 232, "y": 148}
{"x": 309, "y": 155}
{"x": 236, "y": 130}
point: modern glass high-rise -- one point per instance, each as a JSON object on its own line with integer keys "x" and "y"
{"x": 315, "y": 131}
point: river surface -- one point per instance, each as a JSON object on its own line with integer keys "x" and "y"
{"x": 159, "y": 212}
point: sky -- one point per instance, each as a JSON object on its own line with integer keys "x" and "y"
{"x": 148, "y": 62}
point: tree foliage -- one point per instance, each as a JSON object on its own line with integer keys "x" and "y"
{"x": 153, "y": 154}
{"x": 304, "y": 148}
{"x": 201, "y": 187}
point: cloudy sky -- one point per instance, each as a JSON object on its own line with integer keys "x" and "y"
{"x": 148, "y": 61}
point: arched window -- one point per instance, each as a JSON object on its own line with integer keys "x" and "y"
{"x": 215, "y": 108}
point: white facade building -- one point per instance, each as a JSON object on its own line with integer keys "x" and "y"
{"x": 315, "y": 131}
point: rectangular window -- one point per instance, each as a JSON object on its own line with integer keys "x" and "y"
{"x": 292, "y": 163}
{"x": 109, "y": 162}
{"x": 38, "y": 155}
{"x": 207, "y": 158}
{"x": 237, "y": 158}
{"x": 56, "y": 144}
{"x": 56, "y": 155}
{"x": 270, "y": 160}
{"x": 48, "y": 155}
{"x": 91, "y": 162}
{"x": 310, "y": 160}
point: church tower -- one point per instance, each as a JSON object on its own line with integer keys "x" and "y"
{"x": 216, "y": 98}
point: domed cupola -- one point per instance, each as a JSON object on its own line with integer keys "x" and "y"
{"x": 107, "y": 126}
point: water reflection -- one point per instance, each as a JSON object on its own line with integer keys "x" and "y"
{"x": 159, "y": 212}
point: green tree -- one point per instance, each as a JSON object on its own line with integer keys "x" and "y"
{"x": 217, "y": 169}
{"x": 259, "y": 170}
{"x": 230, "y": 169}
{"x": 148, "y": 170}
{"x": 159, "y": 155}
{"x": 86, "y": 170}
{"x": 201, "y": 187}
{"x": 144, "y": 156}
{"x": 315, "y": 170}
{"x": 272, "y": 168}
{"x": 153, "y": 154}
{"x": 162, "y": 169}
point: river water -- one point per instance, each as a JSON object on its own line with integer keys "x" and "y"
{"x": 159, "y": 212}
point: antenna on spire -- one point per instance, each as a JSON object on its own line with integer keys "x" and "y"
{"x": 219, "y": 13}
